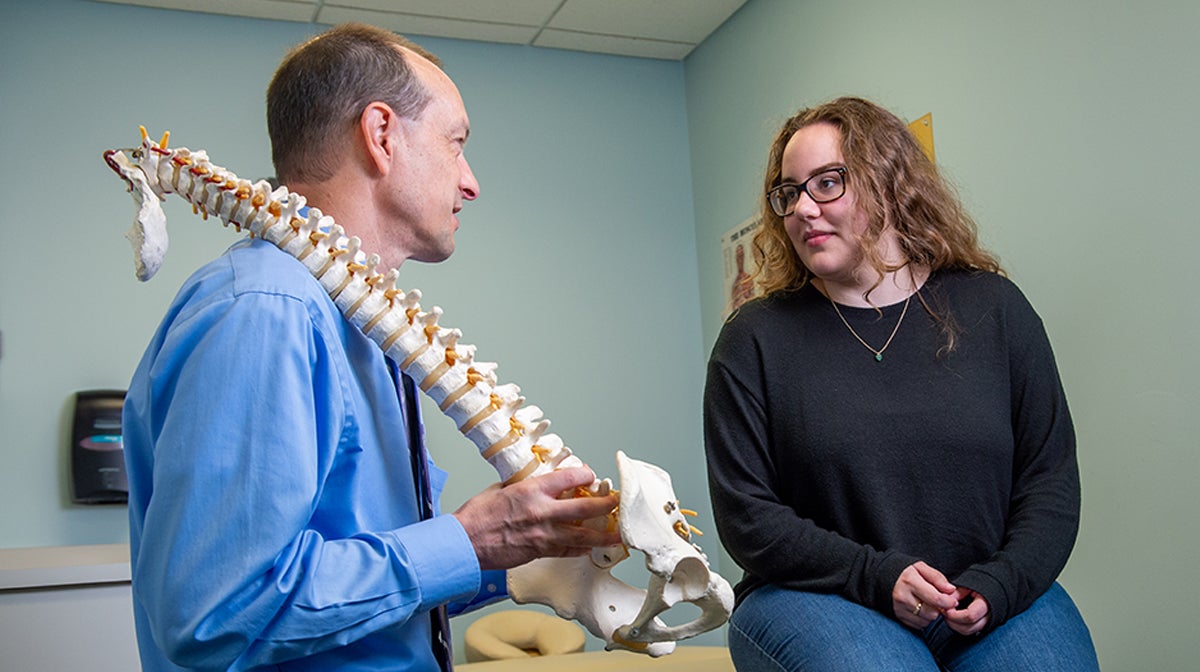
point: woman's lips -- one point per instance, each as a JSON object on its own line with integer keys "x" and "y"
{"x": 816, "y": 237}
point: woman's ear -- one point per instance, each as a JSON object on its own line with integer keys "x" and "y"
{"x": 377, "y": 124}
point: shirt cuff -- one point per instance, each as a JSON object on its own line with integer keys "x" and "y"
{"x": 493, "y": 587}
{"x": 443, "y": 560}
{"x": 493, "y": 584}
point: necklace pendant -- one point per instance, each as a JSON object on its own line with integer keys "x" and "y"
{"x": 879, "y": 352}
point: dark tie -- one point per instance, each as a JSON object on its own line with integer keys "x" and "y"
{"x": 407, "y": 391}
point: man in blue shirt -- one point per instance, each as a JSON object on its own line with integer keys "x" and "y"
{"x": 275, "y": 513}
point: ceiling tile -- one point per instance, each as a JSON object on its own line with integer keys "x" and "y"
{"x": 672, "y": 20}
{"x": 666, "y": 29}
{"x": 609, "y": 44}
{"x": 520, "y": 12}
{"x": 411, "y": 24}
{"x": 285, "y": 10}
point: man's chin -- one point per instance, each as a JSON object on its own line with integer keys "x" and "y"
{"x": 435, "y": 255}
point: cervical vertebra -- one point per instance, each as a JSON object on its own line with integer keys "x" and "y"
{"x": 510, "y": 436}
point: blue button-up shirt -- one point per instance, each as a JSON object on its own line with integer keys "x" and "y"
{"x": 273, "y": 513}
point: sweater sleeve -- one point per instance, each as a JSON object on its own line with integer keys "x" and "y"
{"x": 763, "y": 534}
{"x": 1044, "y": 507}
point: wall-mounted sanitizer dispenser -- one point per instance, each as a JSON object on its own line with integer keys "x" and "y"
{"x": 97, "y": 452}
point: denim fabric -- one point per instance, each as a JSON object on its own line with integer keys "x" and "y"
{"x": 780, "y": 630}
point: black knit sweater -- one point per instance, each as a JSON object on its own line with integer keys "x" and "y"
{"x": 832, "y": 472}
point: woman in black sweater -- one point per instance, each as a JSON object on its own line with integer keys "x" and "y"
{"x": 891, "y": 457}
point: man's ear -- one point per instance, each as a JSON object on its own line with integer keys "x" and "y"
{"x": 378, "y": 123}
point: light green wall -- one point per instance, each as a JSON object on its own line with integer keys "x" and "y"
{"x": 1043, "y": 113}
{"x": 1070, "y": 129}
{"x": 575, "y": 269}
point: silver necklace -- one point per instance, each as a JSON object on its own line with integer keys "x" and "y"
{"x": 879, "y": 352}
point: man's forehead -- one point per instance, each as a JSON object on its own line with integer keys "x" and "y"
{"x": 441, "y": 89}
{"x": 417, "y": 61}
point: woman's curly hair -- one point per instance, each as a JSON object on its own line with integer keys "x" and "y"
{"x": 895, "y": 185}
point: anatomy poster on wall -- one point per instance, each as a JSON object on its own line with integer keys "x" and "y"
{"x": 738, "y": 261}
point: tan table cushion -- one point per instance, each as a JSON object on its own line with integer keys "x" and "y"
{"x": 521, "y": 634}
{"x": 684, "y": 659}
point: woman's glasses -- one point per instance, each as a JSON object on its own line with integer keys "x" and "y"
{"x": 823, "y": 187}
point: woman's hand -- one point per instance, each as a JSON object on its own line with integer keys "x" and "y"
{"x": 970, "y": 615}
{"x": 921, "y": 594}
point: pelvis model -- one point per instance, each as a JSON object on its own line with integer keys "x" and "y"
{"x": 511, "y": 436}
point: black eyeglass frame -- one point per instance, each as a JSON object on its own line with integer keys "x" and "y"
{"x": 802, "y": 188}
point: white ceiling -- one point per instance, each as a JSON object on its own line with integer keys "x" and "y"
{"x": 664, "y": 29}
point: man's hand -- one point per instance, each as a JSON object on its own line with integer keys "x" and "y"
{"x": 512, "y": 525}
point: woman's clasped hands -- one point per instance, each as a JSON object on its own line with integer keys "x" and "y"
{"x": 922, "y": 593}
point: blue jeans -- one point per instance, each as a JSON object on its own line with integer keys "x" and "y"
{"x": 780, "y": 630}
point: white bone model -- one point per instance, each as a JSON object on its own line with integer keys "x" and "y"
{"x": 510, "y": 436}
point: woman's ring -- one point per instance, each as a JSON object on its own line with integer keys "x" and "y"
{"x": 917, "y": 611}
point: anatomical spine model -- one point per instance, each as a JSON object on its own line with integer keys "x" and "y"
{"x": 512, "y": 437}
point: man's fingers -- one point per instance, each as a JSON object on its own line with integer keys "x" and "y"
{"x": 583, "y": 537}
{"x": 560, "y": 480}
{"x": 582, "y": 508}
